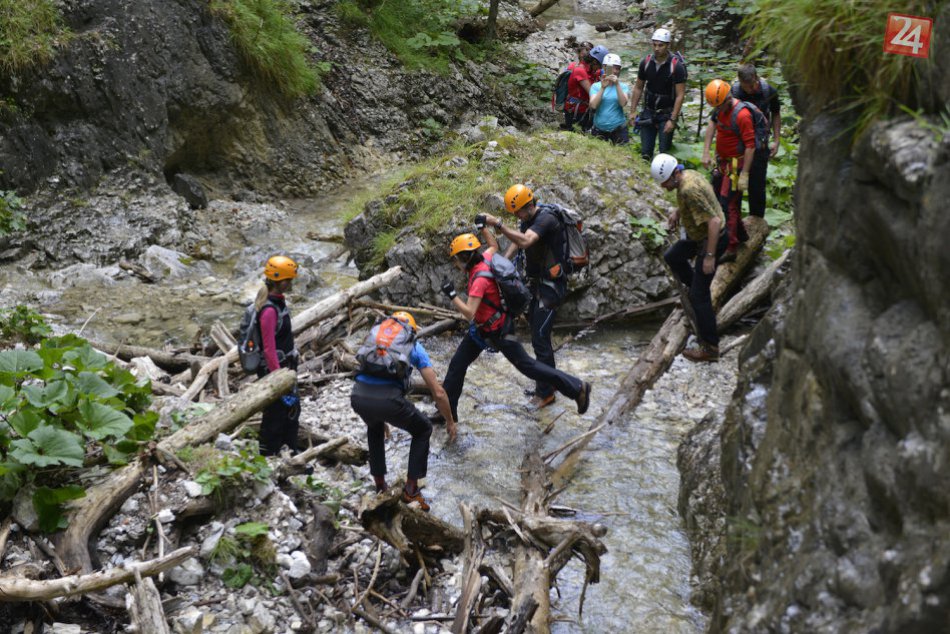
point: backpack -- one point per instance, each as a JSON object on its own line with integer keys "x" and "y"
{"x": 515, "y": 296}
{"x": 762, "y": 102}
{"x": 386, "y": 350}
{"x": 250, "y": 346}
{"x": 763, "y": 130}
{"x": 576, "y": 253}
{"x": 675, "y": 59}
{"x": 559, "y": 94}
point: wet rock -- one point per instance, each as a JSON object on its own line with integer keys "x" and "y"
{"x": 191, "y": 189}
{"x": 188, "y": 573}
{"x": 81, "y": 274}
{"x": 23, "y": 511}
{"x": 163, "y": 263}
{"x": 64, "y": 628}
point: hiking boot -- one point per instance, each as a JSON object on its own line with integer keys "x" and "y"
{"x": 415, "y": 498}
{"x": 704, "y": 352}
{"x": 437, "y": 419}
{"x": 540, "y": 402}
{"x": 583, "y": 399}
{"x": 729, "y": 255}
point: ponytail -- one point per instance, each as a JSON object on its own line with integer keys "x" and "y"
{"x": 262, "y": 294}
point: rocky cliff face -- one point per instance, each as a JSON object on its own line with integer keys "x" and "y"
{"x": 157, "y": 89}
{"x": 833, "y": 508}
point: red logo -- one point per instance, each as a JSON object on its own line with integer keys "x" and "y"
{"x": 908, "y": 35}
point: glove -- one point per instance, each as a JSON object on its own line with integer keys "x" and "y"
{"x": 743, "y": 182}
{"x": 448, "y": 288}
{"x": 290, "y": 399}
{"x": 480, "y": 222}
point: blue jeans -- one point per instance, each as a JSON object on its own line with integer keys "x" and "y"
{"x": 649, "y": 133}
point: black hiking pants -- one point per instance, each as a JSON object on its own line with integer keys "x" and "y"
{"x": 280, "y": 422}
{"x": 469, "y": 349}
{"x": 379, "y": 404}
{"x": 757, "y": 178}
{"x": 678, "y": 257}
{"x": 541, "y": 314}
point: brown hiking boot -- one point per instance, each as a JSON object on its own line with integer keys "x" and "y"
{"x": 540, "y": 402}
{"x": 416, "y": 498}
{"x": 704, "y": 352}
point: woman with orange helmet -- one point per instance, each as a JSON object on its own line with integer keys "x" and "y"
{"x": 281, "y": 419}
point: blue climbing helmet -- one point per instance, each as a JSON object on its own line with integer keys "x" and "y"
{"x": 599, "y": 52}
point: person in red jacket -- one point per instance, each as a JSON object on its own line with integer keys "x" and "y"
{"x": 281, "y": 419}
{"x": 734, "y": 155}
{"x": 583, "y": 75}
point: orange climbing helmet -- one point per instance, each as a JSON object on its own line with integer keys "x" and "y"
{"x": 464, "y": 242}
{"x": 717, "y": 91}
{"x": 280, "y": 267}
{"x": 517, "y": 197}
{"x": 402, "y": 315}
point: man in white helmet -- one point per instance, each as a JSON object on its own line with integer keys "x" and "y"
{"x": 608, "y": 98}
{"x": 662, "y": 77}
{"x": 699, "y": 212}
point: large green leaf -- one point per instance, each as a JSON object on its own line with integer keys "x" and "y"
{"x": 92, "y": 383}
{"x": 99, "y": 421}
{"x": 144, "y": 427}
{"x": 25, "y": 421}
{"x": 44, "y": 396}
{"x": 7, "y": 398}
{"x": 49, "y": 505}
{"x": 85, "y": 358}
{"x": 20, "y": 362}
{"x": 47, "y": 446}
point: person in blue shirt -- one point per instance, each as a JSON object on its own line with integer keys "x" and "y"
{"x": 608, "y": 98}
{"x": 378, "y": 400}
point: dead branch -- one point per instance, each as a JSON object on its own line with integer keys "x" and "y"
{"x": 173, "y": 361}
{"x": 20, "y": 589}
{"x": 406, "y": 528}
{"x": 145, "y": 607}
{"x": 541, "y": 7}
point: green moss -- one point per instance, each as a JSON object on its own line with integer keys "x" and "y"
{"x": 834, "y": 51}
{"x": 382, "y": 243}
{"x": 264, "y": 33}
{"x": 29, "y": 33}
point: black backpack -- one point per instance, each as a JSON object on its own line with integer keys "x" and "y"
{"x": 763, "y": 130}
{"x": 559, "y": 94}
{"x": 676, "y": 58}
{"x": 515, "y": 296}
{"x": 387, "y": 349}
{"x": 576, "y": 253}
{"x": 249, "y": 344}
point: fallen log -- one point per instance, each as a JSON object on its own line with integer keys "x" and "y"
{"x": 408, "y": 529}
{"x": 532, "y": 580}
{"x": 145, "y": 607}
{"x": 91, "y": 512}
{"x": 753, "y": 294}
{"x": 172, "y": 361}
{"x": 431, "y": 311}
{"x": 663, "y": 348}
{"x": 541, "y": 7}
{"x": 321, "y": 310}
{"x": 14, "y": 588}
{"x": 471, "y": 575}
{"x": 437, "y": 328}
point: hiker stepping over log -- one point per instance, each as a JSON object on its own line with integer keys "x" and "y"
{"x": 495, "y": 293}
{"x": 387, "y": 358}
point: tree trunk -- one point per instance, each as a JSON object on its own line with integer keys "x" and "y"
{"x": 492, "y": 20}
{"x": 532, "y": 580}
{"x": 172, "y": 361}
{"x": 541, "y": 7}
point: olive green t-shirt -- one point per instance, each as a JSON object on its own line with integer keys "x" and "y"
{"x": 697, "y": 204}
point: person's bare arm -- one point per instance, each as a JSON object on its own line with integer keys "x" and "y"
{"x": 518, "y": 239}
{"x": 677, "y": 107}
{"x": 712, "y": 237}
{"x": 467, "y": 308}
{"x": 707, "y": 144}
{"x": 441, "y": 400}
{"x": 635, "y": 98}
{"x": 776, "y": 133}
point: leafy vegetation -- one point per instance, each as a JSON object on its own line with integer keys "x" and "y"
{"x": 58, "y": 403}
{"x": 231, "y": 472}
{"x": 650, "y": 231}
{"x": 271, "y": 45}
{"x": 22, "y": 324}
{"x": 834, "y": 50}
{"x": 12, "y": 218}
{"x": 331, "y": 496}
{"x": 30, "y": 32}
{"x": 419, "y": 32}
{"x": 247, "y": 554}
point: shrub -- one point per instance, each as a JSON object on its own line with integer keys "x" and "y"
{"x": 29, "y": 33}
{"x": 270, "y": 44}
{"x": 12, "y": 218}
{"x": 22, "y": 324}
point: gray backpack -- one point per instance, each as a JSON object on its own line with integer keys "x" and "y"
{"x": 385, "y": 352}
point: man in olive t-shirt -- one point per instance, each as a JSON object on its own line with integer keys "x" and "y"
{"x": 700, "y": 214}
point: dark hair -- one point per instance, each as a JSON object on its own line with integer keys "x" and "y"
{"x": 747, "y": 73}
{"x": 468, "y": 258}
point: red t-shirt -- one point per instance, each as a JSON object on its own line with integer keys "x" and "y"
{"x": 727, "y": 143}
{"x": 485, "y": 288}
{"x": 579, "y": 73}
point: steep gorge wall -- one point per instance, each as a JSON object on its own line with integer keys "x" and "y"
{"x": 822, "y": 503}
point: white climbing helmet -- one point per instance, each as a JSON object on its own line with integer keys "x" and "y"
{"x": 612, "y": 59}
{"x": 661, "y": 35}
{"x": 662, "y": 167}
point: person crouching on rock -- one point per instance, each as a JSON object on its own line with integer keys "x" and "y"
{"x": 701, "y": 215}
{"x": 379, "y": 397}
{"x": 281, "y": 419}
{"x": 491, "y": 328}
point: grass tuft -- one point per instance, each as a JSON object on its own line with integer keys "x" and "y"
{"x": 835, "y": 54}
{"x": 29, "y": 33}
{"x": 269, "y": 42}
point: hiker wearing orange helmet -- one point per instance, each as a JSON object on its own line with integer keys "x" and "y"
{"x": 386, "y": 360}
{"x": 540, "y": 237}
{"x": 491, "y": 324}
{"x": 732, "y": 125}
{"x": 281, "y": 419}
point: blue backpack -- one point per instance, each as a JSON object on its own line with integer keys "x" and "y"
{"x": 559, "y": 96}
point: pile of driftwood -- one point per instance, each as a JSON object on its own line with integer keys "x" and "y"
{"x": 518, "y": 547}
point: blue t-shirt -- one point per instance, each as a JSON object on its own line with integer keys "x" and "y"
{"x": 609, "y": 114}
{"x": 418, "y": 359}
